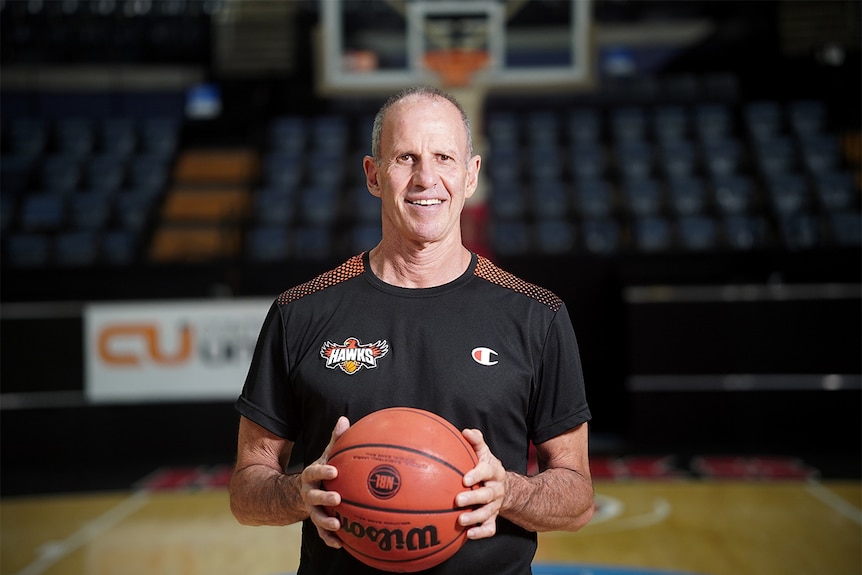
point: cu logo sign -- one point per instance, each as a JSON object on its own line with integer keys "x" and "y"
{"x": 130, "y": 344}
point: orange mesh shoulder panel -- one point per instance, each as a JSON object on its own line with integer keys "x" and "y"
{"x": 486, "y": 270}
{"x": 349, "y": 269}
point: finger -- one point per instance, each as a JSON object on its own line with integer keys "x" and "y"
{"x": 340, "y": 427}
{"x": 329, "y": 537}
{"x": 486, "y": 529}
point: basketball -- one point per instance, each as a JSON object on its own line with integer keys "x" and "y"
{"x": 399, "y": 470}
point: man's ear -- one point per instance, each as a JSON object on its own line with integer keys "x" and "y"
{"x": 370, "y": 167}
{"x": 473, "y": 175}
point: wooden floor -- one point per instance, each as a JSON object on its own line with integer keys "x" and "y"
{"x": 692, "y": 525}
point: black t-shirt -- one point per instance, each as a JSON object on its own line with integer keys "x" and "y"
{"x": 487, "y": 350}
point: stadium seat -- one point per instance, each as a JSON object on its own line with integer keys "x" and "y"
{"x": 510, "y": 238}
{"x": 687, "y": 196}
{"x": 74, "y": 137}
{"x": 820, "y": 152}
{"x": 733, "y": 194}
{"x": 835, "y": 191}
{"x": 364, "y": 237}
{"x": 677, "y": 159}
{"x": 846, "y": 229}
{"x": 105, "y": 173}
{"x": 652, "y": 234}
{"x": 775, "y": 156}
{"x": 713, "y": 122}
{"x": 634, "y": 159}
{"x": 159, "y": 136}
{"x": 588, "y": 161}
{"x": 312, "y": 242}
{"x": 788, "y": 193}
{"x": 288, "y": 135}
{"x": 643, "y": 196}
{"x": 365, "y": 207}
{"x": 507, "y": 201}
{"x": 90, "y": 211}
{"x": 118, "y": 247}
{"x": 117, "y": 137}
{"x": 799, "y": 230}
{"x": 628, "y": 124}
{"x": 671, "y": 124}
{"x": 807, "y": 116}
{"x": 76, "y": 249}
{"x": 601, "y": 236}
{"x": 722, "y": 157}
{"x": 744, "y": 232}
{"x": 554, "y": 236}
{"x": 593, "y": 198}
{"x": 268, "y": 244}
{"x": 27, "y": 250}
{"x": 318, "y": 206}
{"x": 60, "y": 174}
{"x": 42, "y": 212}
{"x": 549, "y": 199}
{"x": 282, "y": 170}
{"x": 148, "y": 172}
{"x": 274, "y": 207}
{"x": 16, "y": 173}
{"x": 584, "y": 127}
{"x": 697, "y": 233}
{"x": 763, "y": 119}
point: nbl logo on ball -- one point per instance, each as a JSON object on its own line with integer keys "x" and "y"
{"x": 384, "y": 481}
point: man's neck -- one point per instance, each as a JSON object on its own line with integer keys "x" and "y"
{"x": 424, "y": 268}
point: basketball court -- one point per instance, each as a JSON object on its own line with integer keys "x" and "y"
{"x": 177, "y": 521}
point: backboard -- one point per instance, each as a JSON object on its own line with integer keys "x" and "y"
{"x": 378, "y": 46}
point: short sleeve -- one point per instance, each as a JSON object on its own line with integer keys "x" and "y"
{"x": 266, "y": 395}
{"x": 560, "y": 402}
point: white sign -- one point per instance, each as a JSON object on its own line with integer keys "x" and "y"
{"x": 170, "y": 350}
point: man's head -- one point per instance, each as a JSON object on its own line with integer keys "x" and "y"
{"x": 423, "y": 168}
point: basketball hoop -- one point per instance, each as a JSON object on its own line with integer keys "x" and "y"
{"x": 456, "y": 66}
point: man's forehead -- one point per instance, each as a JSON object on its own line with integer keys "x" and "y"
{"x": 408, "y": 113}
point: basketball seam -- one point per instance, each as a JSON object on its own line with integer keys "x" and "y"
{"x": 399, "y": 448}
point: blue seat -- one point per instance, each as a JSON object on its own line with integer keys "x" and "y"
{"x": 733, "y": 194}
{"x": 744, "y": 232}
{"x": 312, "y": 242}
{"x": 106, "y": 173}
{"x": 821, "y": 153}
{"x": 159, "y": 136}
{"x": 678, "y": 159}
{"x": 628, "y": 124}
{"x": 510, "y": 238}
{"x": 775, "y": 156}
{"x": 507, "y": 201}
{"x": 117, "y": 137}
{"x": 274, "y": 206}
{"x": 652, "y": 234}
{"x": 687, "y": 196}
{"x": 288, "y": 135}
{"x": 584, "y": 126}
{"x": 713, "y": 122}
{"x": 788, "y": 193}
{"x": 268, "y": 243}
{"x": 635, "y": 159}
{"x": 835, "y": 191}
{"x": 27, "y": 250}
{"x": 60, "y": 174}
{"x": 593, "y": 198}
{"x": 282, "y": 170}
{"x": 318, "y": 206}
{"x": 75, "y": 137}
{"x": 807, "y": 116}
{"x": 133, "y": 209}
{"x": 149, "y": 172}
{"x": 42, "y": 212}
{"x": 554, "y": 236}
{"x": 329, "y": 133}
{"x": 503, "y": 128}
{"x": 846, "y": 229}
{"x": 697, "y": 233}
{"x": 89, "y": 211}
{"x": 119, "y": 247}
{"x": 799, "y": 230}
{"x": 76, "y": 249}
{"x": 549, "y": 199}
{"x": 722, "y": 157}
{"x": 671, "y": 124}
{"x": 643, "y": 196}
{"x": 601, "y": 236}
{"x": 588, "y": 161}
{"x": 763, "y": 119}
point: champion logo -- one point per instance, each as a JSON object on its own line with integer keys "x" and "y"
{"x": 484, "y": 356}
{"x": 352, "y": 355}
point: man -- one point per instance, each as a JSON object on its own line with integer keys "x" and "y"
{"x": 453, "y": 334}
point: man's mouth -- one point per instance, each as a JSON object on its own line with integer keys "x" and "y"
{"x": 426, "y": 202}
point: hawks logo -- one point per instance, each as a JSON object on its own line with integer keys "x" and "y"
{"x": 352, "y": 355}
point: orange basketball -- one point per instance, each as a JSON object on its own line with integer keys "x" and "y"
{"x": 399, "y": 470}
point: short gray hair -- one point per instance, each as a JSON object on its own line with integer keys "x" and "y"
{"x": 426, "y": 91}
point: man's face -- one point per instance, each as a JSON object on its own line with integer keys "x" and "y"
{"x": 424, "y": 176}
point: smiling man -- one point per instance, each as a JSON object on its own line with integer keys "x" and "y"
{"x": 424, "y": 323}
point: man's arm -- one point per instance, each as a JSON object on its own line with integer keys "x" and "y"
{"x": 260, "y": 492}
{"x": 559, "y": 498}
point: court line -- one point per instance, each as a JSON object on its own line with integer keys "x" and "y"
{"x": 53, "y": 551}
{"x": 836, "y": 503}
